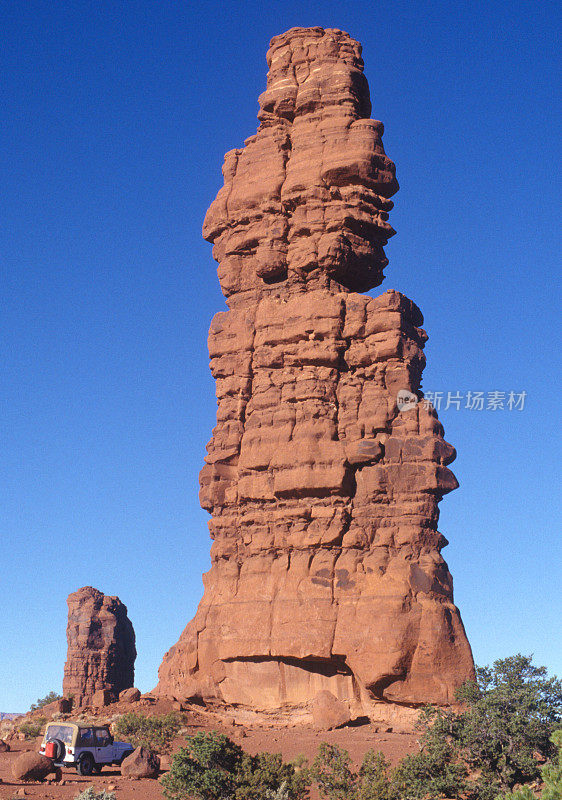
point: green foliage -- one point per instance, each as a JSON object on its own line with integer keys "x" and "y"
{"x": 497, "y": 742}
{"x": 44, "y": 701}
{"x": 212, "y": 767}
{"x": 524, "y": 793}
{"x": 282, "y": 793}
{"x": 205, "y": 769}
{"x": 90, "y": 794}
{"x": 510, "y": 712}
{"x": 33, "y": 728}
{"x": 266, "y": 773}
{"x": 332, "y": 772}
{"x": 429, "y": 774}
{"x": 552, "y": 773}
{"x": 374, "y": 780}
{"x": 154, "y": 732}
{"x": 434, "y": 772}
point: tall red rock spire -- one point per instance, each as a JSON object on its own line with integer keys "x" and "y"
{"x": 101, "y": 646}
{"x": 326, "y": 565}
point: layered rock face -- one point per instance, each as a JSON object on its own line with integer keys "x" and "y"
{"x": 101, "y": 646}
{"x": 326, "y": 568}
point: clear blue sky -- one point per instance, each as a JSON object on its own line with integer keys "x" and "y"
{"x": 116, "y": 116}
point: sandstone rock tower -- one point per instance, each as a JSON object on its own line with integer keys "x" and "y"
{"x": 101, "y": 646}
{"x": 326, "y": 567}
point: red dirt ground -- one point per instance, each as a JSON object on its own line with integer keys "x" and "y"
{"x": 288, "y": 741}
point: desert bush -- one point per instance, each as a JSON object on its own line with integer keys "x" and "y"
{"x": 44, "y": 701}
{"x": 91, "y": 794}
{"x": 212, "y": 767}
{"x": 496, "y": 742}
{"x": 205, "y": 769}
{"x": 523, "y": 793}
{"x": 512, "y": 712}
{"x": 265, "y": 774}
{"x": 373, "y": 781}
{"x": 33, "y": 728}
{"x": 551, "y": 775}
{"x": 434, "y": 772}
{"x": 282, "y": 793}
{"x": 332, "y": 772}
{"x": 154, "y": 732}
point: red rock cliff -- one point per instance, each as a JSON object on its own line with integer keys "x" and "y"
{"x": 326, "y": 571}
{"x": 101, "y": 646}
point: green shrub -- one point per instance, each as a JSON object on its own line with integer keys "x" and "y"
{"x": 332, "y": 772}
{"x": 33, "y": 728}
{"x": 497, "y": 742}
{"x": 374, "y": 780}
{"x": 266, "y": 774}
{"x": 510, "y": 713}
{"x": 424, "y": 775}
{"x": 524, "y": 793}
{"x": 44, "y": 701}
{"x": 431, "y": 773}
{"x": 205, "y": 769}
{"x": 154, "y": 732}
{"x": 212, "y": 767}
{"x": 552, "y": 773}
{"x": 282, "y": 793}
{"x": 90, "y": 794}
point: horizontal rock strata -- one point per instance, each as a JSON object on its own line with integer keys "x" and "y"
{"x": 101, "y": 647}
{"x": 326, "y": 568}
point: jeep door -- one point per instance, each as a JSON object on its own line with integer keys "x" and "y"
{"x": 103, "y": 742}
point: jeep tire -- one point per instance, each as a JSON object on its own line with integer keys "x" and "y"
{"x": 86, "y": 765}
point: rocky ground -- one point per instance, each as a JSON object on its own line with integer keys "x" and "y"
{"x": 290, "y": 742}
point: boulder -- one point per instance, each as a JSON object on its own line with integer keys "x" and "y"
{"x": 64, "y": 705}
{"x": 129, "y": 695}
{"x": 103, "y": 697}
{"x": 4, "y": 746}
{"x": 328, "y": 712}
{"x": 165, "y": 763}
{"x": 142, "y": 763}
{"x": 30, "y": 766}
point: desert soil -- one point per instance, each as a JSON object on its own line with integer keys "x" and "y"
{"x": 290, "y": 742}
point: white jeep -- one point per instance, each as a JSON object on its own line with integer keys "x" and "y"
{"x": 86, "y": 747}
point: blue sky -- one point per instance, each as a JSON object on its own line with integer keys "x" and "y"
{"x": 116, "y": 117}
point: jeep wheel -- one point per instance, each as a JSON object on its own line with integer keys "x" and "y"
{"x": 86, "y": 765}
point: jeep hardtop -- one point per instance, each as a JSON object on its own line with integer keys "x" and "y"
{"x": 86, "y": 747}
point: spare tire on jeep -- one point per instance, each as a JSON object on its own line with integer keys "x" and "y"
{"x": 55, "y": 749}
